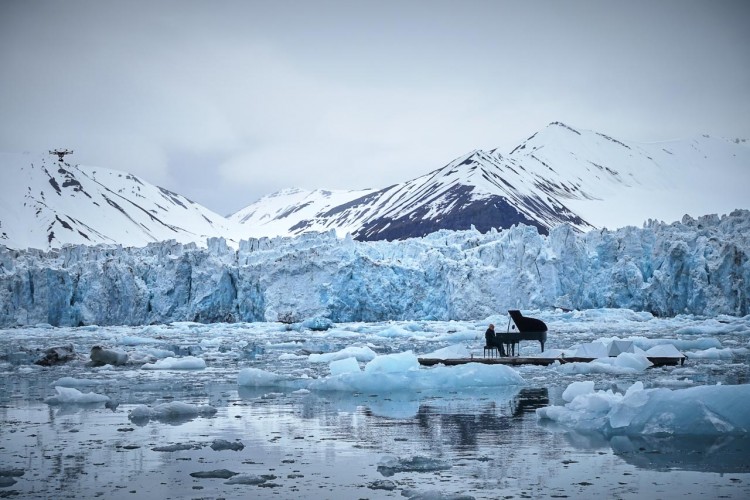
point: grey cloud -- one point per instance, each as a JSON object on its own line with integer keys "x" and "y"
{"x": 226, "y": 101}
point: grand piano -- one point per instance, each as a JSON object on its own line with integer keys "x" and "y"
{"x": 528, "y": 329}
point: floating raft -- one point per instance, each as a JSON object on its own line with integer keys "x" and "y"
{"x": 514, "y": 361}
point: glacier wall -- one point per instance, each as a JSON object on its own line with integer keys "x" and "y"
{"x": 694, "y": 266}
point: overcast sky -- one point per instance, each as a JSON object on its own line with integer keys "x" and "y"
{"x": 225, "y": 101}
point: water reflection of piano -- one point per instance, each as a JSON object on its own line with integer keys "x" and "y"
{"x": 528, "y": 329}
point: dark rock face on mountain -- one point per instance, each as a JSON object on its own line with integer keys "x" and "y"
{"x": 482, "y": 214}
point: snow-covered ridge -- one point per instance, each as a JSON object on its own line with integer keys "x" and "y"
{"x": 695, "y": 266}
{"x": 45, "y": 203}
{"x": 560, "y": 175}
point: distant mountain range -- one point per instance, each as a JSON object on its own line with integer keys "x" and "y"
{"x": 559, "y": 175}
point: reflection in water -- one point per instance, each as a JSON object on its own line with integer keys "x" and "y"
{"x": 723, "y": 454}
{"x": 529, "y": 400}
{"x": 726, "y": 454}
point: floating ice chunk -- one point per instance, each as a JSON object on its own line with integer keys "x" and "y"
{"x": 159, "y": 353}
{"x": 289, "y": 356}
{"x": 223, "y": 444}
{"x": 175, "y": 410}
{"x": 600, "y": 365}
{"x": 393, "y": 363}
{"x": 360, "y": 353}
{"x": 347, "y": 365}
{"x": 389, "y": 465}
{"x": 255, "y": 377}
{"x": 76, "y": 382}
{"x": 637, "y": 362}
{"x": 68, "y": 395}
{"x": 411, "y": 494}
{"x": 250, "y": 479}
{"x": 712, "y": 353}
{"x": 623, "y": 414}
{"x": 394, "y": 331}
{"x": 130, "y": 340}
{"x": 576, "y": 389}
{"x": 187, "y": 363}
{"x": 398, "y": 374}
{"x": 704, "y": 410}
{"x": 176, "y": 447}
{"x": 214, "y": 474}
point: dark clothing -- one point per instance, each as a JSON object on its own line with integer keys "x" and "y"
{"x": 491, "y": 340}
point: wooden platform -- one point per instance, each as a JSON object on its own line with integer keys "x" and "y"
{"x": 517, "y": 360}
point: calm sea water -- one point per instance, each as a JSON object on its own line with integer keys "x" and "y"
{"x": 482, "y": 443}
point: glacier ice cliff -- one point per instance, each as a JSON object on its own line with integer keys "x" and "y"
{"x": 693, "y": 266}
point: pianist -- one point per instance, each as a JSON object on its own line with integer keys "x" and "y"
{"x": 491, "y": 340}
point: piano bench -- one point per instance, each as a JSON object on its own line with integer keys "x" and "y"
{"x": 490, "y": 349}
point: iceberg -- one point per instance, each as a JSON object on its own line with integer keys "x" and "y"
{"x": 389, "y": 373}
{"x": 69, "y": 395}
{"x": 704, "y": 410}
{"x": 170, "y": 363}
{"x": 176, "y": 411}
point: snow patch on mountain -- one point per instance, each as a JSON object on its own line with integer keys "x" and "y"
{"x": 45, "y": 204}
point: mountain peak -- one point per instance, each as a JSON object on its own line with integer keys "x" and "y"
{"x": 566, "y": 127}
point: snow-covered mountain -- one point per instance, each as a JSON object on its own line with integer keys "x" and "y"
{"x": 559, "y": 175}
{"x": 45, "y": 203}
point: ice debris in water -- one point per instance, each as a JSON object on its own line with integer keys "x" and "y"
{"x": 704, "y": 410}
{"x": 389, "y": 465}
{"x": 68, "y": 395}
{"x": 389, "y": 373}
{"x": 433, "y": 495}
{"x": 176, "y": 447}
{"x": 255, "y": 377}
{"x": 223, "y": 444}
{"x": 187, "y": 363}
{"x": 214, "y": 474}
{"x": 251, "y": 479}
{"x": 360, "y": 353}
{"x": 175, "y": 410}
{"x": 76, "y": 382}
